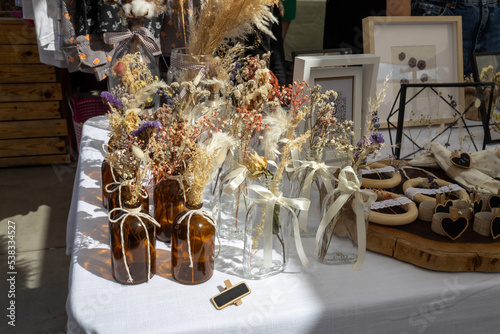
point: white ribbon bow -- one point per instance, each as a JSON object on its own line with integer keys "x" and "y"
{"x": 237, "y": 176}
{"x": 347, "y": 188}
{"x": 135, "y": 212}
{"x": 189, "y": 214}
{"x": 270, "y": 200}
{"x": 325, "y": 175}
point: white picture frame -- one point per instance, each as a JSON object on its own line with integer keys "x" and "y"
{"x": 325, "y": 70}
{"x": 436, "y": 41}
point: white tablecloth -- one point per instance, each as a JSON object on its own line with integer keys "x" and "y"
{"x": 385, "y": 296}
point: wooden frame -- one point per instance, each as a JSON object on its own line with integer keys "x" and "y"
{"x": 437, "y": 41}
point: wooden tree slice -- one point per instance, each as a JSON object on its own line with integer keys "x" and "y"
{"x": 393, "y": 219}
{"x": 419, "y": 198}
{"x": 381, "y": 184}
{"x": 432, "y": 254}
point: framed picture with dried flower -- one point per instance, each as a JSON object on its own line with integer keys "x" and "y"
{"x": 351, "y": 76}
{"x": 416, "y": 50}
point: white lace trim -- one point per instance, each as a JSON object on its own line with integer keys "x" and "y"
{"x": 411, "y": 192}
{"x": 391, "y": 202}
{"x": 387, "y": 169}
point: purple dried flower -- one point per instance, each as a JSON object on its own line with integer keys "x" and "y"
{"x": 377, "y": 138}
{"x": 405, "y": 81}
{"x": 111, "y": 99}
{"x": 412, "y": 62}
{"x": 421, "y": 64}
{"x": 424, "y": 77}
{"x": 402, "y": 56}
{"x": 148, "y": 125}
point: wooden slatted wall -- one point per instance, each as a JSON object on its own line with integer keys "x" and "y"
{"x": 32, "y": 129}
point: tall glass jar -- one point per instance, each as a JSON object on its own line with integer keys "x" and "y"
{"x": 193, "y": 68}
{"x": 133, "y": 245}
{"x": 339, "y": 242}
{"x": 313, "y": 187}
{"x": 134, "y": 48}
{"x": 232, "y": 204}
{"x": 266, "y": 247}
{"x": 192, "y": 247}
{"x": 168, "y": 204}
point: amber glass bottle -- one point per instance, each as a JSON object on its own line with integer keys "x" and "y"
{"x": 107, "y": 175}
{"x": 106, "y": 178}
{"x": 139, "y": 258}
{"x": 114, "y": 200}
{"x": 201, "y": 242}
{"x": 168, "y": 200}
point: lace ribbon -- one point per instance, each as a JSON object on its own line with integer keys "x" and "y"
{"x": 387, "y": 169}
{"x": 267, "y": 198}
{"x": 411, "y": 192}
{"x": 147, "y": 39}
{"x": 391, "y": 202}
{"x": 189, "y": 214}
{"x": 325, "y": 175}
{"x": 347, "y": 188}
{"x": 135, "y": 212}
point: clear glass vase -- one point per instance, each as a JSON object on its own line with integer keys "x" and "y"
{"x": 194, "y": 68}
{"x": 266, "y": 248}
{"x": 232, "y": 205}
{"x": 313, "y": 189}
{"x": 339, "y": 242}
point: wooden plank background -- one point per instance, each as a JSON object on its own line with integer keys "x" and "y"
{"x": 30, "y": 92}
{"x": 27, "y": 73}
{"x": 33, "y": 129}
{"x": 14, "y": 111}
{"x": 29, "y": 147}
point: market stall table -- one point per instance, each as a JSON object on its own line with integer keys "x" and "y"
{"x": 385, "y": 296}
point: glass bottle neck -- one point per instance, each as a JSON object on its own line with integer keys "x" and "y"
{"x": 193, "y": 207}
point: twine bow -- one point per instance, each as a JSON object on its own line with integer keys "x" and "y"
{"x": 269, "y": 199}
{"x": 189, "y": 214}
{"x": 346, "y": 189}
{"x": 147, "y": 39}
{"x": 135, "y": 212}
{"x": 325, "y": 175}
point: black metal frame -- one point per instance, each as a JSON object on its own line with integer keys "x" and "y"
{"x": 485, "y": 113}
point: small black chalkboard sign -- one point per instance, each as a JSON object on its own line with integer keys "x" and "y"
{"x": 231, "y": 295}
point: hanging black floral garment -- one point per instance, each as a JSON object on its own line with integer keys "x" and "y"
{"x": 83, "y": 23}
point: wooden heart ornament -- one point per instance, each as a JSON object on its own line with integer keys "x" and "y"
{"x": 478, "y": 206}
{"x": 495, "y": 227}
{"x": 454, "y": 228}
{"x": 445, "y": 207}
{"x": 464, "y": 160}
{"x": 494, "y": 201}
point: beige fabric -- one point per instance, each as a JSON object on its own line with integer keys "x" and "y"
{"x": 486, "y": 161}
{"x": 467, "y": 178}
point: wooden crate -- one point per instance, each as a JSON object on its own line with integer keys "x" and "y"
{"x": 32, "y": 128}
